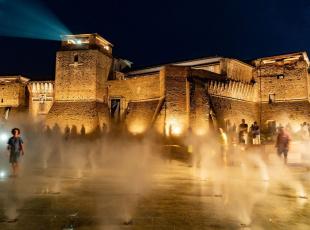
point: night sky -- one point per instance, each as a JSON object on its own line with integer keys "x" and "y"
{"x": 155, "y": 32}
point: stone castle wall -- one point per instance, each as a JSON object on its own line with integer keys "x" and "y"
{"x": 171, "y": 98}
{"x": 137, "y": 88}
{"x": 82, "y": 80}
{"x": 294, "y": 113}
{"x": 287, "y": 81}
{"x": 232, "y": 110}
{"x": 236, "y": 70}
{"x": 12, "y": 94}
{"x": 41, "y": 98}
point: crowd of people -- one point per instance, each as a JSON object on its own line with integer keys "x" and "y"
{"x": 245, "y": 136}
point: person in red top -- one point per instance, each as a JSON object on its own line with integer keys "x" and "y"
{"x": 283, "y": 143}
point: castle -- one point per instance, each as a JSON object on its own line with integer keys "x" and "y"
{"x": 91, "y": 90}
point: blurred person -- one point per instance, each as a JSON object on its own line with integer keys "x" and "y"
{"x": 224, "y": 146}
{"x": 243, "y": 132}
{"x": 304, "y": 131}
{"x": 288, "y": 128}
{"x": 283, "y": 143}
{"x": 195, "y": 157}
{"x": 255, "y": 133}
{"x": 15, "y": 146}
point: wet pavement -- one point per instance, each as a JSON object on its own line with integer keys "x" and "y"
{"x": 175, "y": 197}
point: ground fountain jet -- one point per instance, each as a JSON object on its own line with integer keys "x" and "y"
{"x": 29, "y": 19}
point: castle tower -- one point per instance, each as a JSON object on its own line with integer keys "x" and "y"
{"x": 82, "y": 68}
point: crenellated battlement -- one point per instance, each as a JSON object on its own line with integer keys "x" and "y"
{"x": 41, "y": 87}
{"x": 233, "y": 89}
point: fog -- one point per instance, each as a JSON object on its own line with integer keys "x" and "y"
{"x": 129, "y": 165}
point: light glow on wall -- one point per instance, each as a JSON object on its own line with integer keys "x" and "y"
{"x": 174, "y": 127}
{"x": 137, "y": 127}
{"x": 200, "y": 131}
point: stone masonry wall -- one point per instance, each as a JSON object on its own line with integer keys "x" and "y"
{"x": 294, "y": 85}
{"x": 140, "y": 88}
{"x": 177, "y": 97}
{"x": 294, "y": 112}
{"x": 12, "y": 94}
{"x": 82, "y": 80}
{"x": 237, "y": 70}
{"x": 234, "y": 110}
{"x": 199, "y": 109}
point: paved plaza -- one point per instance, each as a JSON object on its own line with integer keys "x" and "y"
{"x": 172, "y": 196}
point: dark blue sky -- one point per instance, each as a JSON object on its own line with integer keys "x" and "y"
{"x": 154, "y": 32}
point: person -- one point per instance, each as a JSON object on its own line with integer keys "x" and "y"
{"x": 243, "y": 132}
{"x": 255, "y": 132}
{"x": 304, "y": 131}
{"x": 224, "y": 146}
{"x": 282, "y": 143}
{"x": 15, "y": 146}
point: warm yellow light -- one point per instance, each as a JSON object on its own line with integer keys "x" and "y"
{"x": 136, "y": 127}
{"x": 174, "y": 127}
{"x": 200, "y": 131}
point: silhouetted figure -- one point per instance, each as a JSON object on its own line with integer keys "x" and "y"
{"x": 83, "y": 131}
{"x": 56, "y": 130}
{"x": 15, "y": 146}
{"x": 282, "y": 143}
{"x": 255, "y": 133}
{"x": 243, "y": 132}
{"x": 67, "y": 132}
{"x": 304, "y": 131}
{"x": 74, "y": 131}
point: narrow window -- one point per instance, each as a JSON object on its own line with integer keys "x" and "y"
{"x": 1, "y": 100}
{"x": 76, "y": 58}
{"x": 272, "y": 98}
{"x": 115, "y": 110}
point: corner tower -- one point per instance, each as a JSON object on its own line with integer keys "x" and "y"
{"x": 82, "y": 68}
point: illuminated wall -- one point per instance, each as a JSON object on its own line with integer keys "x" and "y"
{"x": 177, "y": 99}
{"x": 82, "y": 68}
{"x": 41, "y": 98}
{"x": 284, "y": 88}
{"x": 13, "y": 91}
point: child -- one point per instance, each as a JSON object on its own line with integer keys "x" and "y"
{"x": 15, "y": 146}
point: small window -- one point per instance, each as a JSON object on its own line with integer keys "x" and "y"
{"x": 272, "y": 98}
{"x": 76, "y": 58}
{"x": 280, "y": 76}
{"x": 1, "y": 100}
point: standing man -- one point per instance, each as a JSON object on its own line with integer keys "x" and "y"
{"x": 255, "y": 131}
{"x": 282, "y": 143}
{"x": 243, "y": 132}
{"x": 15, "y": 146}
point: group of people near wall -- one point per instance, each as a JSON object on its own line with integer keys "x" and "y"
{"x": 246, "y": 135}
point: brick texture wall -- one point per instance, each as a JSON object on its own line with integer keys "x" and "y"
{"x": 234, "y": 110}
{"x": 82, "y": 80}
{"x": 293, "y": 85}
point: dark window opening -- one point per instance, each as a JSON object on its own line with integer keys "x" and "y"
{"x": 115, "y": 110}
{"x": 76, "y": 58}
{"x": 280, "y": 76}
{"x": 272, "y": 98}
{"x": 1, "y": 100}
